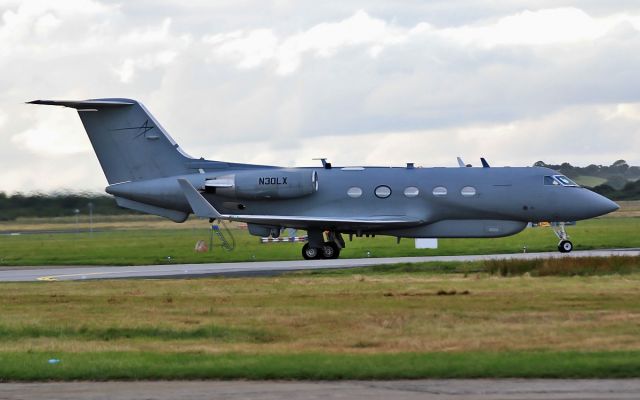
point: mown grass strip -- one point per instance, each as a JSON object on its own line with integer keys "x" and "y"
{"x": 218, "y": 333}
{"x": 139, "y": 365}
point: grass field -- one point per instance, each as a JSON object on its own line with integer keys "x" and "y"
{"x": 404, "y": 321}
{"x": 136, "y": 246}
{"x": 562, "y": 318}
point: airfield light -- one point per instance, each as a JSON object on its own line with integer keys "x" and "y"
{"x": 76, "y": 212}
{"x": 90, "y": 218}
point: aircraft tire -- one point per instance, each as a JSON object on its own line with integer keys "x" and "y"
{"x": 565, "y": 246}
{"x": 330, "y": 250}
{"x": 310, "y": 253}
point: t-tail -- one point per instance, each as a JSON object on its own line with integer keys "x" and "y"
{"x": 130, "y": 144}
{"x": 139, "y": 158}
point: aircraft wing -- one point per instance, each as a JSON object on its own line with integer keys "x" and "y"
{"x": 202, "y": 208}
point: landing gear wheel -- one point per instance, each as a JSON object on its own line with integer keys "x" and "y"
{"x": 330, "y": 250}
{"x": 565, "y": 246}
{"x": 310, "y": 253}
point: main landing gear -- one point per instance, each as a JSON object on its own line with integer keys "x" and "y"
{"x": 565, "y": 245}
{"x": 320, "y": 247}
{"x": 328, "y": 250}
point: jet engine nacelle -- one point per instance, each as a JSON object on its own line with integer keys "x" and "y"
{"x": 265, "y": 184}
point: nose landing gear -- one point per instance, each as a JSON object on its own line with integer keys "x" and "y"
{"x": 565, "y": 245}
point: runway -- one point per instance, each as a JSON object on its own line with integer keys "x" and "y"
{"x": 66, "y": 273}
{"x": 451, "y": 389}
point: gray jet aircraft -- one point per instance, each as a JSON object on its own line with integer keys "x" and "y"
{"x": 147, "y": 171}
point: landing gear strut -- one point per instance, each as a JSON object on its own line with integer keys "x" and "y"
{"x": 565, "y": 245}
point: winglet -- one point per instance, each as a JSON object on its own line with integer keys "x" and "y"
{"x": 200, "y": 206}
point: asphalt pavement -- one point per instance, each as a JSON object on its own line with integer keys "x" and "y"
{"x": 455, "y": 389}
{"x": 65, "y": 273}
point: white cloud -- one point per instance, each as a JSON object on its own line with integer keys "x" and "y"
{"x": 250, "y": 49}
{"x": 326, "y": 39}
{"x": 149, "y": 35}
{"x": 36, "y": 22}
{"x": 543, "y": 27}
{"x": 46, "y": 24}
{"x": 629, "y": 111}
{"x": 51, "y": 136}
{"x": 130, "y": 66}
{"x": 254, "y": 48}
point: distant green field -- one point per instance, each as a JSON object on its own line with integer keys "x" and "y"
{"x": 163, "y": 246}
{"x": 590, "y": 181}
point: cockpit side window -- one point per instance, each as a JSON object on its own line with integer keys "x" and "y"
{"x": 565, "y": 181}
{"x": 559, "y": 180}
{"x": 549, "y": 181}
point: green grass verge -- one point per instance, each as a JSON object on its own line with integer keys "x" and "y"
{"x": 583, "y": 266}
{"x": 155, "y": 246}
{"x": 140, "y": 366}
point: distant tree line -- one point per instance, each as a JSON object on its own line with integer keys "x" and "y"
{"x": 56, "y": 205}
{"x": 630, "y": 191}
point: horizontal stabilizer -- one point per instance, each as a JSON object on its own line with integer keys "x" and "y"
{"x": 200, "y": 206}
{"x": 83, "y": 104}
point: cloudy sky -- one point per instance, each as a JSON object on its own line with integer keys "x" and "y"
{"x": 359, "y": 82}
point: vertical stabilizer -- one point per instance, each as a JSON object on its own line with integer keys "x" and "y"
{"x": 129, "y": 142}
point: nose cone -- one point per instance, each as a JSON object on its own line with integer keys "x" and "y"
{"x": 575, "y": 204}
{"x": 600, "y": 205}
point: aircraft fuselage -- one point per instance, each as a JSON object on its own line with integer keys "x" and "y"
{"x": 447, "y": 202}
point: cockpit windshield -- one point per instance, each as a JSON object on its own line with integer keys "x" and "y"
{"x": 559, "y": 180}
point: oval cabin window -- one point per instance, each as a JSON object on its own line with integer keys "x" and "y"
{"x": 354, "y": 192}
{"x": 468, "y": 191}
{"x": 411, "y": 191}
{"x": 383, "y": 191}
{"x": 439, "y": 191}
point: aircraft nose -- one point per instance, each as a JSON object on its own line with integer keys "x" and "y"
{"x": 600, "y": 205}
